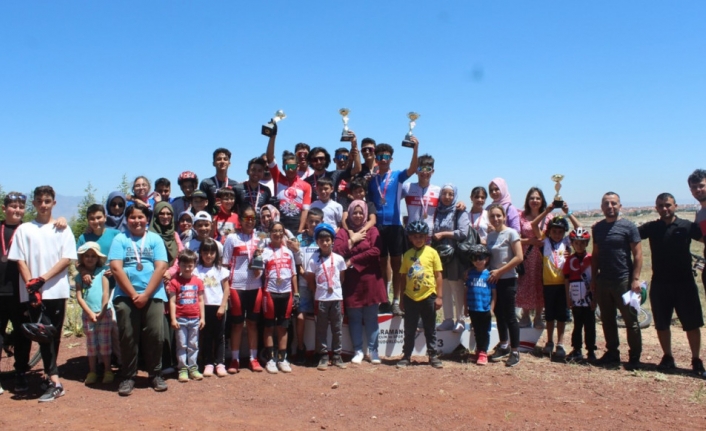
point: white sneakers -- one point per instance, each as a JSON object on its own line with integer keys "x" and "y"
{"x": 284, "y": 366}
{"x": 271, "y": 367}
{"x": 460, "y": 326}
{"x": 358, "y": 357}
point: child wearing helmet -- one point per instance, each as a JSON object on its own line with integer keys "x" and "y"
{"x": 421, "y": 267}
{"x": 188, "y": 181}
{"x": 577, "y": 282}
{"x": 554, "y": 249}
{"x": 480, "y": 299}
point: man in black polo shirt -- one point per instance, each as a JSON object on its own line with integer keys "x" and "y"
{"x": 616, "y": 265}
{"x": 673, "y": 286}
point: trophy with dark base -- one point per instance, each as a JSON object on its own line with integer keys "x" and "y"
{"x": 270, "y": 129}
{"x": 558, "y": 201}
{"x": 257, "y": 263}
{"x": 413, "y": 116}
{"x": 345, "y": 137}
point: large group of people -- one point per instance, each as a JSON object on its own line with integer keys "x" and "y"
{"x": 163, "y": 281}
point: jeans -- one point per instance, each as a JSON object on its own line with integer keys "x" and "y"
{"x": 413, "y": 310}
{"x": 140, "y": 327}
{"x": 609, "y": 297}
{"x": 505, "y": 315}
{"x": 329, "y": 312}
{"x": 54, "y": 312}
{"x": 187, "y": 340}
{"x": 363, "y": 316}
{"x": 481, "y": 322}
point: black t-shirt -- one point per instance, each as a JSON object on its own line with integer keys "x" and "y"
{"x": 9, "y": 272}
{"x": 670, "y": 246}
{"x": 256, "y": 197}
{"x": 614, "y": 253}
{"x": 335, "y": 176}
{"x": 211, "y": 185}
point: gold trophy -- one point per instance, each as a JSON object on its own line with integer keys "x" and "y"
{"x": 270, "y": 129}
{"x": 344, "y": 135}
{"x": 257, "y": 263}
{"x": 558, "y": 201}
{"x": 413, "y": 116}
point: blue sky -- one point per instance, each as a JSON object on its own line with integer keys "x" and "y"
{"x": 609, "y": 93}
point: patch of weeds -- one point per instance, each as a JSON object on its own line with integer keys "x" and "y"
{"x": 699, "y": 395}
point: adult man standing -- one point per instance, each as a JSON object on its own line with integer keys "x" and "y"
{"x": 673, "y": 285}
{"x": 614, "y": 272}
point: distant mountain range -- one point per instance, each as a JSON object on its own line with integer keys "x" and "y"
{"x": 66, "y": 206}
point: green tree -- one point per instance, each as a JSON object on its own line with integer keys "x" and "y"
{"x": 80, "y": 223}
{"x": 125, "y": 187}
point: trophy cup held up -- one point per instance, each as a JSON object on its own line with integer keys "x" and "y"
{"x": 270, "y": 129}
{"x": 345, "y": 137}
{"x": 413, "y": 116}
{"x": 257, "y": 263}
{"x": 558, "y": 201}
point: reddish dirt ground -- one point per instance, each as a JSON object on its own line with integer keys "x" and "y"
{"x": 535, "y": 394}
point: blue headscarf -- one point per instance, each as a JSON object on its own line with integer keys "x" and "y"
{"x": 116, "y": 222}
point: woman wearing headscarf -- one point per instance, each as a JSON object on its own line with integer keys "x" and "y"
{"x": 363, "y": 287}
{"x": 450, "y": 227}
{"x": 501, "y": 196}
{"x": 115, "y": 211}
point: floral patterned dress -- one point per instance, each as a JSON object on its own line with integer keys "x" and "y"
{"x": 529, "y": 286}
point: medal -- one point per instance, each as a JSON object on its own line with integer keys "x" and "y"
{"x": 139, "y": 267}
{"x": 138, "y": 254}
{"x": 5, "y": 248}
{"x": 3, "y": 258}
{"x": 383, "y": 191}
{"x": 424, "y": 216}
{"x": 279, "y": 280}
{"x": 384, "y": 201}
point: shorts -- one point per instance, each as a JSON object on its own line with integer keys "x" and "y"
{"x": 245, "y": 304}
{"x": 680, "y": 296}
{"x": 393, "y": 241}
{"x": 277, "y": 308}
{"x": 555, "y": 303}
{"x": 98, "y": 334}
{"x": 306, "y": 300}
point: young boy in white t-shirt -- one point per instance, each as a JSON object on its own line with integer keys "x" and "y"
{"x": 325, "y": 272}
{"x": 333, "y": 211}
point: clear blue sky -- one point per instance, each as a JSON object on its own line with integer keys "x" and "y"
{"x": 609, "y": 93}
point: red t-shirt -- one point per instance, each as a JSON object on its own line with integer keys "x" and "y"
{"x": 225, "y": 225}
{"x": 187, "y": 296}
{"x": 293, "y": 197}
{"x": 576, "y": 269}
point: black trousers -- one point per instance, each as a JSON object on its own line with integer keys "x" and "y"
{"x": 480, "y": 322}
{"x": 212, "y": 342}
{"x": 413, "y": 310}
{"x": 54, "y": 312}
{"x": 12, "y": 310}
{"x": 506, "y": 291}
{"x": 584, "y": 320}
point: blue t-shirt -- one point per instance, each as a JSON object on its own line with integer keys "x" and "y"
{"x": 388, "y": 213}
{"x": 480, "y": 290}
{"x": 105, "y": 240}
{"x": 125, "y": 247}
{"x": 93, "y": 294}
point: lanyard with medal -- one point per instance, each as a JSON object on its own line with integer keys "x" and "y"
{"x": 425, "y": 203}
{"x": 555, "y": 252}
{"x": 276, "y": 262}
{"x": 383, "y": 192}
{"x": 218, "y": 184}
{"x": 138, "y": 254}
{"x": 328, "y": 273}
{"x": 257, "y": 199}
{"x": 6, "y": 248}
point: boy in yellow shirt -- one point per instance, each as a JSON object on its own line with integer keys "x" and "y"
{"x": 421, "y": 266}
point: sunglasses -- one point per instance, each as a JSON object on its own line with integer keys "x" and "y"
{"x": 385, "y": 157}
{"x": 341, "y": 158}
{"x": 117, "y": 204}
{"x": 318, "y": 159}
{"x": 302, "y": 154}
{"x": 425, "y": 169}
{"x": 368, "y": 149}
{"x": 290, "y": 166}
{"x": 250, "y": 218}
{"x": 16, "y": 197}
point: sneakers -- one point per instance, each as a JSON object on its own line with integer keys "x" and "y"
{"x": 357, "y": 358}
{"x": 559, "y": 352}
{"x": 697, "y": 366}
{"x": 183, "y": 375}
{"x": 255, "y": 366}
{"x": 402, "y": 363}
{"x": 323, "y": 363}
{"x": 460, "y": 326}
{"x": 513, "y": 360}
{"x": 53, "y": 392}
{"x": 446, "y": 325}
{"x": 375, "y": 358}
{"x": 300, "y": 357}
{"x": 591, "y": 356}
{"x": 482, "y": 358}
{"x": 499, "y": 353}
{"x": 108, "y": 377}
{"x": 208, "y": 370}
{"x": 337, "y": 360}
{"x": 1, "y": 390}
{"x": 396, "y": 310}
{"x": 126, "y": 387}
{"x": 158, "y": 384}
{"x": 435, "y": 362}
{"x": 667, "y": 363}
{"x": 21, "y": 384}
{"x": 284, "y": 366}
{"x": 633, "y": 363}
{"x": 220, "y": 370}
{"x": 525, "y": 321}
{"x": 548, "y": 348}
{"x": 194, "y": 374}
{"x": 233, "y": 366}
{"x": 91, "y": 378}
{"x": 575, "y": 356}
{"x": 271, "y": 366}
{"x": 608, "y": 359}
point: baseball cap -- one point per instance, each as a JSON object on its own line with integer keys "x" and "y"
{"x": 199, "y": 194}
{"x": 202, "y": 215}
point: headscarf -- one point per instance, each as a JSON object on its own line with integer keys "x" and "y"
{"x": 273, "y": 211}
{"x": 165, "y": 232}
{"x": 441, "y": 208}
{"x": 189, "y": 234}
{"x": 353, "y": 206}
{"x": 116, "y": 222}
{"x": 445, "y": 216}
{"x": 505, "y": 199}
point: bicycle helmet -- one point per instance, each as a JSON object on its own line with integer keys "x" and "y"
{"x": 558, "y": 221}
{"x": 417, "y": 226}
{"x": 324, "y": 227}
{"x": 580, "y": 234}
{"x": 187, "y": 175}
{"x": 446, "y": 252}
{"x": 479, "y": 251}
{"x": 39, "y": 332}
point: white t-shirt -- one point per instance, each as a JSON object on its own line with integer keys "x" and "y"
{"x": 41, "y": 246}
{"x": 279, "y": 264}
{"x": 421, "y": 200}
{"x": 193, "y": 244}
{"x": 212, "y": 279}
{"x": 333, "y": 212}
{"x": 237, "y": 254}
{"x": 479, "y": 222}
{"x": 327, "y": 272}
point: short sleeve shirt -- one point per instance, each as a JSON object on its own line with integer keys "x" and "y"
{"x": 577, "y": 271}
{"x": 419, "y": 268}
{"x": 421, "y": 202}
{"x": 670, "y": 246}
{"x": 479, "y": 293}
{"x": 279, "y": 269}
{"x": 292, "y": 197}
{"x": 238, "y": 252}
{"x": 500, "y": 246}
{"x": 385, "y": 192}
{"x": 212, "y": 279}
{"x": 614, "y": 239}
{"x": 126, "y": 248}
{"x": 187, "y": 296}
{"x": 327, "y": 273}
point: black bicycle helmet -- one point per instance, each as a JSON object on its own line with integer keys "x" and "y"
{"x": 417, "y": 226}
{"x": 39, "y": 332}
{"x": 446, "y": 252}
{"x": 558, "y": 221}
{"x": 479, "y": 251}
